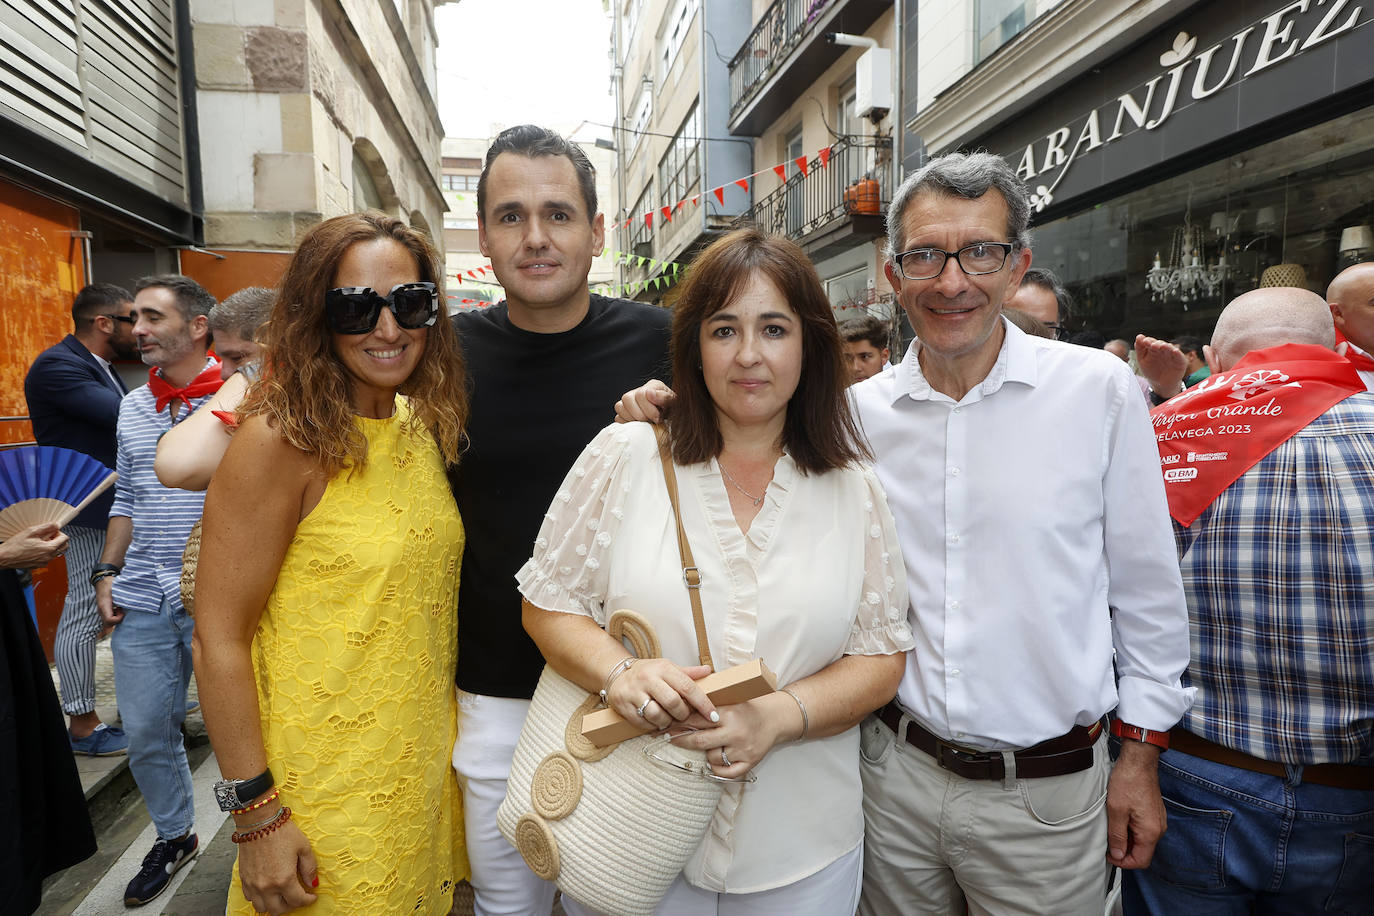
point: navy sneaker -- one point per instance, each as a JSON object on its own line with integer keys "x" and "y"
{"x": 161, "y": 862}
{"x": 105, "y": 741}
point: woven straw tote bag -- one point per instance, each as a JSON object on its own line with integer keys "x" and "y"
{"x": 611, "y": 826}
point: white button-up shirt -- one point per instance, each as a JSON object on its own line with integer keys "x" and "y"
{"x": 1032, "y": 519}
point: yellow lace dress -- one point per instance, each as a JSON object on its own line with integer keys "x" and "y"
{"x": 354, "y": 662}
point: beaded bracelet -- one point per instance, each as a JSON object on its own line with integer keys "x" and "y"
{"x": 281, "y": 817}
{"x": 265, "y": 800}
{"x": 249, "y": 828}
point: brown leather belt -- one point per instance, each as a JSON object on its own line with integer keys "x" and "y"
{"x": 1335, "y": 775}
{"x": 1069, "y": 753}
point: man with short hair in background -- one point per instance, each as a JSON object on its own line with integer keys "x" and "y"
{"x": 1042, "y": 296}
{"x": 1351, "y": 300}
{"x": 73, "y": 394}
{"x": 138, "y": 578}
{"x": 1191, "y": 347}
{"x": 234, "y": 323}
{"x": 866, "y": 348}
{"x": 1269, "y": 777}
{"x": 546, "y": 365}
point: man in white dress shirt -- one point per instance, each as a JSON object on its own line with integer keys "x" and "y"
{"x": 1351, "y": 300}
{"x": 1025, "y": 483}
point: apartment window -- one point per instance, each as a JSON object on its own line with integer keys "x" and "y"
{"x": 675, "y": 31}
{"x": 644, "y": 108}
{"x": 629, "y": 20}
{"x": 459, "y": 182}
{"x": 997, "y": 22}
{"x": 640, "y": 233}
{"x": 679, "y": 171}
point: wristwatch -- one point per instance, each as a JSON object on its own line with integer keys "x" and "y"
{"x": 239, "y": 793}
{"x": 104, "y": 571}
{"x": 1136, "y": 733}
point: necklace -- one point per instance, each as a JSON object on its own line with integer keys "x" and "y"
{"x": 758, "y": 500}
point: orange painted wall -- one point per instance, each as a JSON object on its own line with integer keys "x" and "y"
{"x": 41, "y": 268}
{"x": 234, "y": 269}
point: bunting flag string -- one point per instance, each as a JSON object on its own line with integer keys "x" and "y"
{"x": 801, "y": 164}
{"x": 666, "y": 211}
{"x": 669, "y": 272}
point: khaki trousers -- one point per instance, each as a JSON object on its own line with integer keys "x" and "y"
{"x": 935, "y": 842}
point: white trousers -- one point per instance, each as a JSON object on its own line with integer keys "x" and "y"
{"x": 488, "y": 729}
{"x": 832, "y": 891}
{"x": 937, "y": 843}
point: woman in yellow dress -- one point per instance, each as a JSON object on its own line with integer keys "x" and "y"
{"x": 327, "y": 586}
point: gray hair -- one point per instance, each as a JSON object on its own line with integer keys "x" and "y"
{"x": 967, "y": 175}
{"x": 241, "y": 313}
{"x": 192, "y": 299}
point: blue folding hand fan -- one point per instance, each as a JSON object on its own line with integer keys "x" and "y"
{"x": 41, "y": 483}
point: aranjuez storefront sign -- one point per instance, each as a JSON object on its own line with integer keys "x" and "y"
{"x": 1205, "y": 78}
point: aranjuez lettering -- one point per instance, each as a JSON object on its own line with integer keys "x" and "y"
{"x": 1278, "y": 37}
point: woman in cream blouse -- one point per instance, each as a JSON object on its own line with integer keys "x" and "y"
{"x": 799, "y": 564}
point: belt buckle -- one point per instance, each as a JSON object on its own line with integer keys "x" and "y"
{"x": 957, "y": 753}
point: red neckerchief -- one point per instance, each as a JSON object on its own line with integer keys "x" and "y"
{"x": 1361, "y": 359}
{"x": 1220, "y": 428}
{"x": 228, "y": 418}
{"x": 207, "y": 382}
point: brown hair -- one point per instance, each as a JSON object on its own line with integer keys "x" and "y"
{"x": 819, "y": 431}
{"x": 305, "y": 390}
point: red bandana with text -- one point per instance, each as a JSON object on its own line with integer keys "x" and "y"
{"x": 1358, "y": 357}
{"x": 207, "y": 382}
{"x": 1220, "y": 428}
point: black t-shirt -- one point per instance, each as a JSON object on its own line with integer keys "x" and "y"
{"x": 537, "y": 400}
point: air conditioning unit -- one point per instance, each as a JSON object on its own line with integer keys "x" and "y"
{"x": 873, "y": 84}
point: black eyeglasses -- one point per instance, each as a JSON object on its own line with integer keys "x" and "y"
{"x": 356, "y": 309}
{"x": 975, "y": 260}
{"x": 1058, "y": 330}
{"x": 127, "y": 319}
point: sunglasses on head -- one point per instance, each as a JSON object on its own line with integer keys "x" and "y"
{"x": 356, "y": 309}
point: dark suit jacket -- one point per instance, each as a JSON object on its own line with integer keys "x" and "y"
{"x": 74, "y": 403}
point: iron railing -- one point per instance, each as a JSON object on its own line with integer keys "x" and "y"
{"x": 856, "y": 181}
{"x": 781, "y": 29}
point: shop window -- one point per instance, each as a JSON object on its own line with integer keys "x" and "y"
{"x": 1165, "y": 260}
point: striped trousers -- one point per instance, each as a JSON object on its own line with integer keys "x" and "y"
{"x": 79, "y": 626}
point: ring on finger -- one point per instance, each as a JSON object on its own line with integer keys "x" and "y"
{"x": 724, "y": 759}
{"x": 643, "y": 706}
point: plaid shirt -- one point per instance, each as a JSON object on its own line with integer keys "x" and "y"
{"x": 1279, "y": 574}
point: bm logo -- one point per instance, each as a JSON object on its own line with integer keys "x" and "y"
{"x": 1175, "y": 475}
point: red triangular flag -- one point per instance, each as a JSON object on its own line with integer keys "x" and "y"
{"x": 649, "y": 220}
{"x": 824, "y": 156}
{"x": 696, "y": 200}
{"x": 743, "y": 183}
{"x": 720, "y": 194}
{"x": 782, "y": 172}
{"x": 667, "y": 214}
{"x": 801, "y": 164}
{"x": 681, "y": 203}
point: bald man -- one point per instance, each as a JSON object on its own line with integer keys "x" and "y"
{"x": 1276, "y": 756}
{"x": 1351, "y": 300}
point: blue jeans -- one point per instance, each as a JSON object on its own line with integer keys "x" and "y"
{"x": 152, "y": 666}
{"x": 1240, "y": 842}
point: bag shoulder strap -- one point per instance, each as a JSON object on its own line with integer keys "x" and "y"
{"x": 691, "y": 576}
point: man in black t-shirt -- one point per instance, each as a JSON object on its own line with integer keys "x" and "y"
{"x": 546, "y": 367}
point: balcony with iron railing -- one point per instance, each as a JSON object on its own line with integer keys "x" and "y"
{"x": 786, "y": 52}
{"x": 834, "y": 205}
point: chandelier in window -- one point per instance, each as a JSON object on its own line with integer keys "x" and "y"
{"x": 1185, "y": 275}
